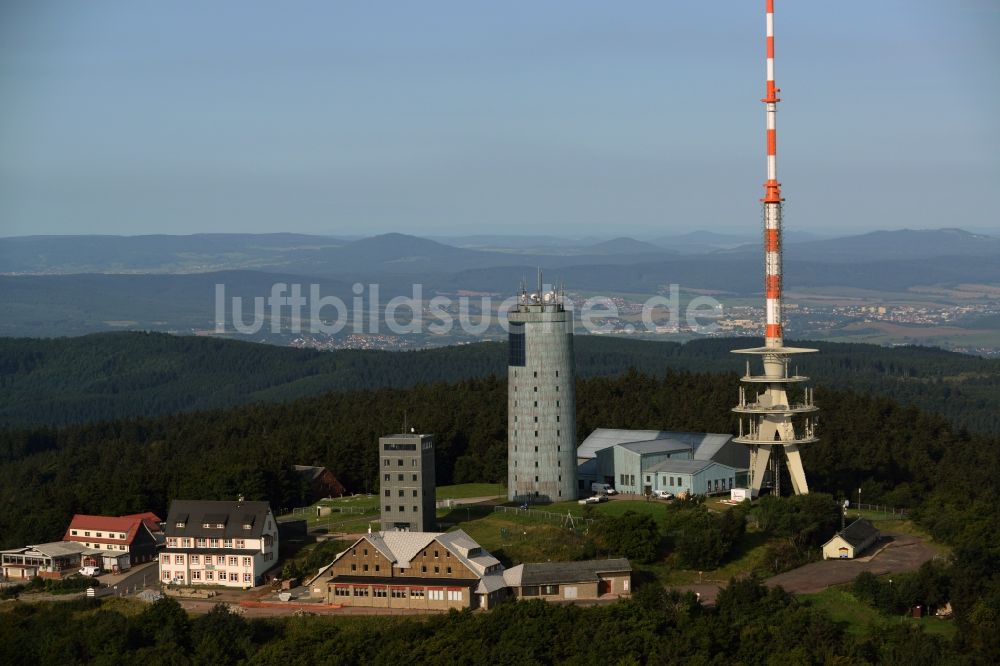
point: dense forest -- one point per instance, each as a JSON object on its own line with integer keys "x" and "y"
{"x": 750, "y": 624}
{"x": 126, "y": 375}
{"x": 898, "y": 454}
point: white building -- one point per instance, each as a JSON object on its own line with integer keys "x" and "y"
{"x": 229, "y": 543}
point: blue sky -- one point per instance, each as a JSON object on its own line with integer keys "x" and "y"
{"x": 466, "y": 116}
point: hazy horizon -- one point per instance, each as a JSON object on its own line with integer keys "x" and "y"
{"x": 470, "y": 118}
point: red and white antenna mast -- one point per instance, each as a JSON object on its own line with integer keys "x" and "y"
{"x": 772, "y": 202}
{"x": 777, "y": 413}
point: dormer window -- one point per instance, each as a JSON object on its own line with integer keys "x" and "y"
{"x": 247, "y": 526}
{"x": 180, "y": 523}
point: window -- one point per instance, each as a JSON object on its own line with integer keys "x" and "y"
{"x": 227, "y": 543}
{"x": 417, "y": 594}
{"x": 536, "y": 419}
{"x": 423, "y": 568}
{"x": 402, "y": 509}
{"x": 247, "y": 561}
{"x": 209, "y": 575}
{"x": 240, "y": 543}
{"x": 195, "y": 575}
{"x": 414, "y": 477}
{"x": 196, "y": 559}
{"x": 454, "y": 595}
{"x": 220, "y": 560}
{"x": 73, "y": 532}
{"x": 387, "y": 507}
{"x": 558, "y": 433}
{"x": 515, "y": 347}
{"x": 166, "y": 575}
{"x": 385, "y": 462}
{"x": 402, "y": 493}
{"x": 213, "y": 543}
{"x": 557, "y": 403}
{"x": 399, "y": 462}
{"x": 398, "y": 594}
{"x": 536, "y": 389}
{"x": 414, "y": 492}
{"x": 536, "y": 433}
{"x": 385, "y": 478}
{"x": 377, "y": 567}
{"x": 536, "y": 373}
{"x": 354, "y": 567}
{"x": 342, "y": 591}
{"x": 435, "y": 595}
{"x": 364, "y": 567}
{"x": 380, "y": 592}
{"x": 448, "y": 570}
{"x": 234, "y": 577}
{"x": 437, "y": 569}
{"x": 178, "y": 559}
{"x": 361, "y": 591}
{"x": 234, "y": 561}
{"x": 415, "y": 508}
{"x": 247, "y": 578}
{"x": 387, "y": 493}
{"x": 200, "y": 543}
{"x": 550, "y": 589}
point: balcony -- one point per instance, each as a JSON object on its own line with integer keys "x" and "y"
{"x": 758, "y": 408}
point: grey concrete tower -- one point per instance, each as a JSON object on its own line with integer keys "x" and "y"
{"x": 541, "y": 400}
{"x": 408, "y": 484}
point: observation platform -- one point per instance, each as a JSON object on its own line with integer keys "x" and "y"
{"x": 757, "y": 408}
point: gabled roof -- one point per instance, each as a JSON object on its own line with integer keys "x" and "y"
{"x": 401, "y": 547}
{"x": 62, "y": 548}
{"x": 705, "y": 445}
{"x": 309, "y": 471}
{"x": 602, "y": 438}
{"x": 665, "y": 445}
{"x": 858, "y": 532}
{"x": 555, "y": 573}
{"x": 106, "y": 525}
{"x": 193, "y": 514}
{"x": 151, "y": 519}
{"x": 684, "y": 466}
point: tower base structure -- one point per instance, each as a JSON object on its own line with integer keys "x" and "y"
{"x": 777, "y": 416}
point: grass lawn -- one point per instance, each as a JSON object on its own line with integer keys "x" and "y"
{"x": 464, "y": 490}
{"x": 842, "y": 606}
{"x": 514, "y": 539}
{"x": 654, "y": 508}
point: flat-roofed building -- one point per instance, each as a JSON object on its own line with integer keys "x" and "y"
{"x": 406, "y": 462}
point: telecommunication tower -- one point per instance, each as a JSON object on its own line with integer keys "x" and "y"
{"x": 541, "y": 399}
{"x": 776, "y": 412}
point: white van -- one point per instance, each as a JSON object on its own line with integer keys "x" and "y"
{"x": 90, "y": 571}
{"x": 602, "y": 488}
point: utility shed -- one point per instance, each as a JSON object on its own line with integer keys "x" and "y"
{"x": 851, "y": 541}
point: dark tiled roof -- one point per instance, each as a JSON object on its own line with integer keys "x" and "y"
{"x": 859, "y": 532}
{"x": 233, "y": 514}
{"x": 553, "y": 573}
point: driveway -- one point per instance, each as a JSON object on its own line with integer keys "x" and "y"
{"x": 896, "y": 554}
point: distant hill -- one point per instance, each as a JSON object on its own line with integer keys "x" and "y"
{"x": 125, "y": 375}
{"x": 152, "y": 253}
{"x": 624, "y": 245}
{"x": 899, "y": 245}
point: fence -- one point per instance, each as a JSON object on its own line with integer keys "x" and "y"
{"x": 548, "y": 516}
{"x": 879, "y": 508}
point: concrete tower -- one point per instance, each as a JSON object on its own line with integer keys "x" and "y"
{"x": 408, "y": 487}
{"x": 541, "y": 400}
{"x": 776, "y": 413}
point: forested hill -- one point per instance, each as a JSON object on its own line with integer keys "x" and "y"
{"x": 106, "y": 376}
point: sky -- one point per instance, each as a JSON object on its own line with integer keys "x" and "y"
{"x": 464, "y": 117}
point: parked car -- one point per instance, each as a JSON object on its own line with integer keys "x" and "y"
{"x": 90, "y": 571}
{"x": 663, "y": 494}
{"x": 597, "y": 499}
{"x": 610, "y": 491}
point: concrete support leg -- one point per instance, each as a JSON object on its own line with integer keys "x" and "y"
{"x": 759, "y": 458}
{"x": 795, "y": 470}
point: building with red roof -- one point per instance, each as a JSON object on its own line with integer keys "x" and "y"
{"x": 137, "y": 535}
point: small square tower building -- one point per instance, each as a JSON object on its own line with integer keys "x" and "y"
{"x": 406, "y": 463}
